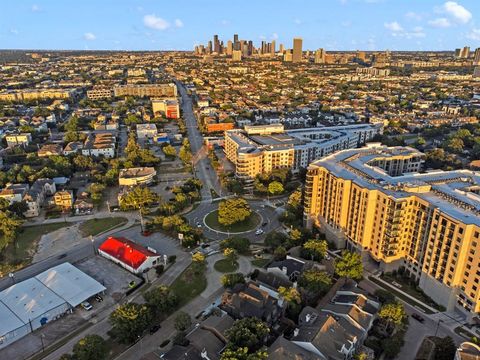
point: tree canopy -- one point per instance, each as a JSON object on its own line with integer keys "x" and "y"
{"x": 349, "y": 266}
{"x": 129, "y": 321}
{"x": 247, "y": 332}
{"x": 91, "y": 347}
{"x": 232, "y": 211}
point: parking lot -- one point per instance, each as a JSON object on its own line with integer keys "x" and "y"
{"x": 110, "y": 275}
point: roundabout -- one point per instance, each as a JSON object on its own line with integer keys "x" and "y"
{"x": 225, "y": 266}
{"x": 251, "y": 223}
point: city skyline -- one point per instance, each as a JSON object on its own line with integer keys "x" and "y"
{"x": 148, "y": 25}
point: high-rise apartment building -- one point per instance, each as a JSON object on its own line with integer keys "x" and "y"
{"x": 237, "y": 55}
{"x": 376, "y": 201}
{"x": 297, "y": 50}
{"x": 272, "y": 48}
{"x": 229, "y": 48}
{"x": 464, "y": 52}
{"x": 216, "y": 44}
{"x": 476, "y": 57}
{"x": 319, "y": 56}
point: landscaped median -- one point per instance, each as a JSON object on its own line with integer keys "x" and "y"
{"x": 251, "y": 223}
{"x": 410, "y": 300}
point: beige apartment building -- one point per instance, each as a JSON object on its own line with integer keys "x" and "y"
{"x": 34, "y": 94}
{"x": 146, "y": 90}
{"x": 376, "y": 201}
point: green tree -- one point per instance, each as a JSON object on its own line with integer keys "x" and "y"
{"x": 129, "y": 321}
{"x": 169, "y": 151}
{"x": 243, "y": 354}
{"x": 182, "y": 321}
{"x": 316, "y": 281}
{"x": 290, "y": 295}
{"x": 349, "y": 266}
{"x": 96, "y": 190}
{"x": 275, "y": 239}
{"x": 230, "y": 254}
{"x": 138, "y": 198}
{"x": 392, "y": 345}
{"x": 315, "y": 249}
{"x": 241, "y": 245}
{"x": 384, "y": 296}
{"x": 247, "y": 332}
{"x": 393, "y": 313}
{"x": 91, "y": 347}
{"x": 279, "y": 253}
{"x": 161, "y": 300}
{"x": 232, "y": 279}
{"x": 232, "y": 211}
{"x": 275, "y": 188}
{"x": 445, "y": 349}
{"x": 9, "y": 225}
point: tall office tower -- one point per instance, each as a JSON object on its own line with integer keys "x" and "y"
{"x": 229, "y": 47}
{"x": 457, "y": 52}
{"x": 235, "y": 38}
{"x": 476, "y": 57}
{"x": 319, "y": 56}
{"x": 237, "y": 55}
{"x": 209, "y": 48}
{"x": 465, "y": 52}
{"x": 196, "y": 50}
{"x": 250, "y": 47}
{"x": 263, "y": 51}
{"x": 297, "y": 50}
{"x": 216, "y": 44}
{"x": 272, "y": 48}
{"x": 201, "y": 50}
{"x": 222, "y": 47}
{"x": 244, "y": 48}
{"x": 281, "y": 49}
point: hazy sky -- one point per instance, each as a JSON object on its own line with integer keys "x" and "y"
{"x": 180, "y": 24}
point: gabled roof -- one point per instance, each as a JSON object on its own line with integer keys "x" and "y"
{"x": 126, "y": 251}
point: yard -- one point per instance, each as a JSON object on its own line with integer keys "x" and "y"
{"x": 225, "y": 266}
{"x": 260, "y": 262}
{"x": 21, "y": 251}
{"x": 189, "y": 284}
{"x": 96, "y": 226}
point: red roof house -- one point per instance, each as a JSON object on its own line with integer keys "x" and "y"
{"x": 133, "y": 257}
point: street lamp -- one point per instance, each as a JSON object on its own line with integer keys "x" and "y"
{"x": 438, "y": 325}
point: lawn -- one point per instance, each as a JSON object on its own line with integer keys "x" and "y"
{"x": 248, "y": 224}
{"x": 400, "y": 295}
{"x": 412, "y": 291}
{"x": 97, "y": 226}
{"x": 189, "y": 285}
{"x": 21, "y": 251}
{"x": 260, "y": 262}
{"x": 225, "y": 266}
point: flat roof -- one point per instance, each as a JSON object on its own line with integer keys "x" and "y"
{"x": 29, "y": 299}
{"x": 70, "y": 283}
{"x": 10, "y": 321}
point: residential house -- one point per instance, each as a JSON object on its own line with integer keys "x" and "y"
{"x": 146, "y": 131}
{"x": 14, "y": 192}
{"x": 49, "y": 150}
{"x": 64, "y": 199}
{"x": 290, "y": 268}
{"x": 249, "y": 300}
{"x": 35, "y": 196}
{"x": 72, "y": 147}
{"x": 83, "y": 204}
{"x": 18, "y": 139}
{"x": 100, "y": 145}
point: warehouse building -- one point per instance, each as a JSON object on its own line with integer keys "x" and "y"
{"x": 30, "y": 304}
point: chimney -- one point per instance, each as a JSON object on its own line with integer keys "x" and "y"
{"x": 284, "y": 270}
{"x": 295, "y": 332}
{"x": 308, "y": 317}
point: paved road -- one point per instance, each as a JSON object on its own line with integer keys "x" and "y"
{"x": 416, "y": 330}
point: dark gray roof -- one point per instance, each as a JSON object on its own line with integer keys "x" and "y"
{"x": 284, "y": 349}
{"x": 291, "y": 265}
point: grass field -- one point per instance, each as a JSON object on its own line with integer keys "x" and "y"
{"x": 248, "y": 224}
{"x": 20, "y": 252}
{"x": 97, "y": 226}
{"x": 225, "y": 266}
{"x": 189, "y": 285}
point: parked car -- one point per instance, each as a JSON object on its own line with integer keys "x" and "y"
{"x": 86, "y": 306}
{"x": 264, "y": 224}
{"x": 418, "y": 317}
{"x": 98, "y": 298}
{"x": 154, "y": 329}
{"x": 259, "y": 232}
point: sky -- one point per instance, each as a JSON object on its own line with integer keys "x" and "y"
{"x": 182, "y": 24}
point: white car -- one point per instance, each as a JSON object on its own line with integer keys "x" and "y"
{"x": 259, "y": 232}
{"x": 86, "y": 305}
